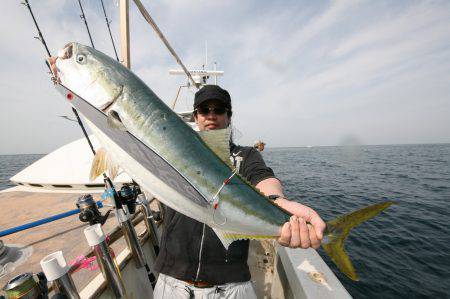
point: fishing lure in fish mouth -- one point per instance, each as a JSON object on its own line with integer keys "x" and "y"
{"x": 184, "y": 169}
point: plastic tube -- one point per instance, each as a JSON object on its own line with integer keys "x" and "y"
{"x": 56, "y": 269}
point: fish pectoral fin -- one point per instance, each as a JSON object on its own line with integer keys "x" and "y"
{"x": 227, "y": 237}
{"x": 114, "y": 120}
{"x": 219, "y": 142}
{"x": 103, "y": 162}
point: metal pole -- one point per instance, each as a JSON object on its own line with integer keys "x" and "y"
{"x": 124, "y": 33}
{"x": 97, "y": 239}
{"x": 66, "y": 286}
{"x": 134, "y": 245}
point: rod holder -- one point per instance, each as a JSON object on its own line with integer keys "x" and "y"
{"x": 132, "y": 240}
{"x": 97, "y": 239}
{"x": 56, "y": 270}
{"x": 149, "y": 221}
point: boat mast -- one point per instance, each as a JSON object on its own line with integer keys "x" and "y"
{"x": 124, "y": 33}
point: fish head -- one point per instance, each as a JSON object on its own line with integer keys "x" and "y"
{"x": 89, "y": 73}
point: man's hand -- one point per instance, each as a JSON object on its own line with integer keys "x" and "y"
{"x": 305, "y": 229}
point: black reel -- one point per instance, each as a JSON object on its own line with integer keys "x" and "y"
{"x": 89, "y": 211}
{"x": 128, "y": 195}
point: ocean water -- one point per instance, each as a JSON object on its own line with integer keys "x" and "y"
{"x": 12, "y": 164}
{"x": 402, "y": 253}
{"x": 405, "y": 251}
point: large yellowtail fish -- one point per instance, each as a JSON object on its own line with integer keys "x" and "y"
{"x": 187, "y": 170}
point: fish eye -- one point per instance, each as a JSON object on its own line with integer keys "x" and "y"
{"x": 81, "y": 58}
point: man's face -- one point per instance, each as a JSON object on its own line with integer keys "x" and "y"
{"x": 207, "y": 119}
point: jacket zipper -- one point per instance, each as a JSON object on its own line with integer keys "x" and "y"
{"x": 200, "y": 253}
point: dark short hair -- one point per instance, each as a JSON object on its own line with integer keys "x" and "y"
{"x": 212, "y": 92}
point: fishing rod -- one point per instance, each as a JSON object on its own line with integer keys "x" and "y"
{"x": 84, "y": 131}
{"x": 42, "y": 221}
{"x": 124, "y": 221}
{"x": 122, "y": 212}
{"x": 40, "y": 37}
{"x": 109, "y": 29}
{"x": 125, "y": 204}
{"x": 83, "y": 17}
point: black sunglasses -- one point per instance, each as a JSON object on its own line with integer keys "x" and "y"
{"x": 215, "y": 110}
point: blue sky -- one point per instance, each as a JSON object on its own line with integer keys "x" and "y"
{"x": 301, "y": 73}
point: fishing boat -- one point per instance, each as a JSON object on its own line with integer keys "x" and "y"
{"x": 57, "y": 221}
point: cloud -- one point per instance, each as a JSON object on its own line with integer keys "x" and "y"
{"x": 299, "y": 73}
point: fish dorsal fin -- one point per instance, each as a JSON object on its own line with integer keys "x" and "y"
{"x": 114, "y": 120}
{"x": 219, "y": 142}
{"x": 103, "y": 162}
{"x": 227, "y": 237}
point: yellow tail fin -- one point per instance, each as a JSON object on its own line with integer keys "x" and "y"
{"x": 338, "y": 229}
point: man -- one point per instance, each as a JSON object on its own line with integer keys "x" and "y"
{"x": 192, "y": 261}
{"x": 259, "y": 145}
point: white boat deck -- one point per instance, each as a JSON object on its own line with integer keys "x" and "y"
{"x": 18, "y": 208}
{"x": 277, "y": 272}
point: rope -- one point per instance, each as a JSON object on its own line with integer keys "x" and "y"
{"x": 155, "y": 27}
{"x": 109, "y": 29}
{"x": 83, "y": 17}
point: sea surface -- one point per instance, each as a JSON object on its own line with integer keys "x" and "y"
{"x": 405, "y": 251}
{"x": 402, "y": 253}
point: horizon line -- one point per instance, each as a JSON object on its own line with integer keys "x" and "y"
{"x": 278, "y": 147}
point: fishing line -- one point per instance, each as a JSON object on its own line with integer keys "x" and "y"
{"x": 109, "y": 29}
{"x": 83, "y": 17}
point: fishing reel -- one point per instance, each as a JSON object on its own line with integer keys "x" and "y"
{"x": 27, "y": 286}
{"x": 89, "y": 211}
{"x": 128, "y": 195}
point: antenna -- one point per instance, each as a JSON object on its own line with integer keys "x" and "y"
{"x": 215, "y": 75}
{"x": 206, "y": 54}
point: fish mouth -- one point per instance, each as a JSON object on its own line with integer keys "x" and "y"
{"x": 66, "y": 52}
{"x": 110, "y": 103}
